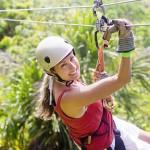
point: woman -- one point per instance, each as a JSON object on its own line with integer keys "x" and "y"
{"x": 80, "y": 106}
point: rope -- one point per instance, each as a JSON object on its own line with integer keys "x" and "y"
{"x": 61, "y": 23}
{"x": 64, "y": 7}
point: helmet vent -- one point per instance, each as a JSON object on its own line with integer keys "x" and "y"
{"x": 66, "y": 41}
{"x": 47, "y": 59}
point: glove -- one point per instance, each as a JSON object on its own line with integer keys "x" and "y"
{"x": 126, "y": 38}
{"x": 111, "y": 29}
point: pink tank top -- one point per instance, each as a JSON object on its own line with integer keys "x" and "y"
{"x": 96, "y": 118}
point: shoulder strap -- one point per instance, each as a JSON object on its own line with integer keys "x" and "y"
{"x": 60, "y": 97}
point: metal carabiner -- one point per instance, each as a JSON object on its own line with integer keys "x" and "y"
{"x": 98, "y": 4}
{"x": 101, "y": 23}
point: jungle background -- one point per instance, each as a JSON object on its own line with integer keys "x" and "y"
{"x": 20, "y": 76}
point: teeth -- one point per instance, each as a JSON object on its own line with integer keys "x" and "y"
{"x": 73, "y": 73}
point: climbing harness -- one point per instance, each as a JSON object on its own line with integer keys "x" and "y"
{"x": 119, "y": 145}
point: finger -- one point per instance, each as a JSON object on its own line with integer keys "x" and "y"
{"x": 122, "y": 24}
{"x": 106, "y": 106}
{"x": 113, "y": 29}
{"x": 110, "y": 104}
{"x": 104, "y": 102}
{"x": 116, "y": 21}
{"x": 110, "y": 101}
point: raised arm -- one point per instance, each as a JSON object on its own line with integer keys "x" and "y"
{"x": 80, "y": 97}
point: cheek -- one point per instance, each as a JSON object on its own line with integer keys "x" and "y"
{"x": 77, "y": 63}
{"x": 62, "y": 72}
{"x": 57, "y": 70}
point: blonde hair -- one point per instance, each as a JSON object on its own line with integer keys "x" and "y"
{"x": 43, "y": 109}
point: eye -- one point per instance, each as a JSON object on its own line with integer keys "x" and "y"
{"x": 72, "y": 58}
{"x": 62, "y": 65}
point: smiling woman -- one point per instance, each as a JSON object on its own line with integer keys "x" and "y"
{"x": 80, "y": 106}
{"x": 68, "y": 68}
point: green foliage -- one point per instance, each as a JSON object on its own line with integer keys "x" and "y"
{"x": 5, "y": 42}
{"x": 20, "y": 96}
{"x": 8, "y": 28}
{"x": 51, "y": 135}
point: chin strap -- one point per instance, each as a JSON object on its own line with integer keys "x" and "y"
{"x": 51, "y": 81}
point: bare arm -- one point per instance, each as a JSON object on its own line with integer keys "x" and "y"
{"x": 101, "y": 89}
{"x": 80, "y": 97}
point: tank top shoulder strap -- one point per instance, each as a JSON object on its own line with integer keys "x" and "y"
{"x": 59, "y": 99}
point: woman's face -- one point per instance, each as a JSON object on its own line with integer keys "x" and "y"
{"x": 68, "y": 69}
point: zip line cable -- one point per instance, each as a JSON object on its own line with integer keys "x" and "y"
{"x": 45, "y": 22}
{"x": 61, "y": 23}
{"x": 64, "y": 7}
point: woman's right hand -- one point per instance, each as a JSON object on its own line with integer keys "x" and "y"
{"x": 123, "y": 27}
{"x": 126, "y": 38}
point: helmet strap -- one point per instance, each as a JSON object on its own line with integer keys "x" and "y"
{"x": 58, "y": 78}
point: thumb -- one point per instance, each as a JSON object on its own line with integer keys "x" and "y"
{"x": 113, "y": 29}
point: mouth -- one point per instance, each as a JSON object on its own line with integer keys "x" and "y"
{"x": 72, "y": 74}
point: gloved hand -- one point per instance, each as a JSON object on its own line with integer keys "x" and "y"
{"x": 111, "y": 29}
{"x": 126, "y": 38}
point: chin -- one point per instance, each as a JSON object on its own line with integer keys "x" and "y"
{"x": 75, "y": 78}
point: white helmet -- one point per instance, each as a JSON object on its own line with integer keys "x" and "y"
{"x": 51, "y": 51}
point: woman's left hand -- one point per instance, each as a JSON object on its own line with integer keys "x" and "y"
{"x": 99, "y": 75}
{"x": 108, "y": 103}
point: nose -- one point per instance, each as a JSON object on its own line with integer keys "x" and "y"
{"x": 72, "y": 65}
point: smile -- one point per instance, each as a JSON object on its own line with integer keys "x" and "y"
{"x": 72, "y": 74}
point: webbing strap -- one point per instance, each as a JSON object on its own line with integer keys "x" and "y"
{"x": 119, "y": 144}
{"x": 100, "y": 61}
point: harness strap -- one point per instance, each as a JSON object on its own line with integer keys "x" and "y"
{"x": 84, "y": 141}
{"x": 119, "y": 144}
{"x": 87, "y": 139}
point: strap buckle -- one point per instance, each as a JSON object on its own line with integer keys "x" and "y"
{"x": 86, "y": 140}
